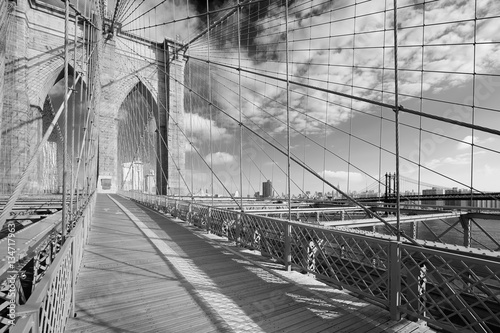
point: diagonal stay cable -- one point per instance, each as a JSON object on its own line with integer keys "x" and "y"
{"x": 387, "y": 106}
{"x": 34, "y": 158}
{"x": 306, "y": 167}
{"x": 132, "y": 11}
{"x": 361, "y": 99}
{"x": 195, "y": 149}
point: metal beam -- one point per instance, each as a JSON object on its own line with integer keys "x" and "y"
{"x": 483, "y": 216}
{"x": 392, "y": 220}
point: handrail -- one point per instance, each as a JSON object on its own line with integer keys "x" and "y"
{"x": 59, "y": 281}
{"x": 29, "y": 240}
{"x": 403, "y": 278}
{"x": 29, "y": 311}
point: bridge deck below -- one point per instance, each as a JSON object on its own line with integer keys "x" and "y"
{"x": 144, "y": 272}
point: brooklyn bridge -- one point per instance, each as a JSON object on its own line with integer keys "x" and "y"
{"x": 249, "y": 166}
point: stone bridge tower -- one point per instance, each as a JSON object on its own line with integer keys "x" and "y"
{"x": 31, "y": 62}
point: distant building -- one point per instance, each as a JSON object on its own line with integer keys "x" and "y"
{"x": 133, "y": 176}
{"x": 433, "y": 191}
{"x": 150, "y": 182}
{"x": 367, "y": 194}
{"x": 453, "y": 190}
{"x": 450, "y": 201}
{"x": 267, "y": 189}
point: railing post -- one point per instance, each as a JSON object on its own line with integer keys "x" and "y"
{"x": 73, "y": 274}
{"x": 413, "y": 227}
{"x": 395, "y": 279}
{"x": 237, "y": 232}
{"x": 287, "y": 255}
{"x": 417, "y": 290}
{"x": 466, "y": 226}
{"x": 209, "y": 220}
{"x": 189, "y": 214}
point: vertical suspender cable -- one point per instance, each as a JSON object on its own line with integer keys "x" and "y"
{"x": 65, "y": 143}
{"x": 353, "y": 64}
{"x": 210, "y": 103}
{"x": 81, "y": 117}
{"x": 88, "y": 97}
{"x": 239, "y": 103}
{"x": 396, "y": 110}
{"x": 473, "y": 108}
{"x": 73, "y": 171}
{"x": 80, "y": 140}
{"x": 165, "y": 187}
{"x": 381, "y": 127}
{"x": 327, "y": 101}
{"x": 159, "y": 185}
{"x": 5, "y": 213}
{"x": 287, "y": 69}
{"x": 190, "y": 107}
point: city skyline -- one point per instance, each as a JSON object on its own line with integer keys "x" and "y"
{"x": 347, "y": 142}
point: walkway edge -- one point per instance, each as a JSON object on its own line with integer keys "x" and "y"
{"x": 289, "y": 279}
{"x": 186, "y": 270}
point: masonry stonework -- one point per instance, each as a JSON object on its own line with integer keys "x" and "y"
{"x": 160, "y": 75}
{"x": 32, "y": 62}
{"x": 16, "y": 119}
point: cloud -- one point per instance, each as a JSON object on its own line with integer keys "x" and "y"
{"x": 220, "y": 158}
{"x": 201, "y": 126}
{"x": 467, "y": 142}
{"x": 321, "y": 38}
{"x": 343, "y": 175}
{"x": 322, "y": 56}
{"x": 156, "y": 20}
{"x": 452, "y": 161}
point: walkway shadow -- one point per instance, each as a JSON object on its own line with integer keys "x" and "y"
{"x": 224, "y": 279}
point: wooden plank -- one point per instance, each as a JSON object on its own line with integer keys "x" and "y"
{"x": 126, "y": 285}
{"x": 179, "y": 280}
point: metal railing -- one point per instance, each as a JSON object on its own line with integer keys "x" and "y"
{"x": 453, "y": 291}
{"x": 53, "y": 299}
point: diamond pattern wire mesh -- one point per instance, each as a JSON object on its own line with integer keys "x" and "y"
{"x": 183, "y": 209}
{"x": 263, "y": 234}
{"x": 455, "y": 292}
{"x": 355, "y": 262}
{"x": 199, "y": 215}
{"x": 168, "y": 206}
{"x": 56, "y": 305}
{"x": 458, "y": 293}
{"x": 223, "y": 223}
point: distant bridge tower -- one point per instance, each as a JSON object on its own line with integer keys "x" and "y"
{"x": 390, "y": 185}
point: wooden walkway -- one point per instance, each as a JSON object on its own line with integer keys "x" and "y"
{"x": 144, "y": 272}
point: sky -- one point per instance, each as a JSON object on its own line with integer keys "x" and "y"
{"x": 350, "y": 143}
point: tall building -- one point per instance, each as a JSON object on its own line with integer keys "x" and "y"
{"x": 133, "y": 176}
{"x": 267, "y": 189}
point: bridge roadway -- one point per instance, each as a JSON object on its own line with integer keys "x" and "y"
{"x": 145, "y": 272}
